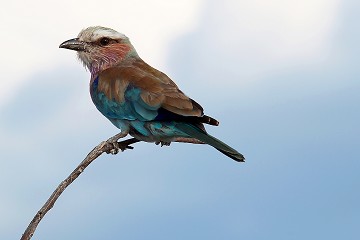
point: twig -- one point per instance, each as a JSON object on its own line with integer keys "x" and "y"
{"x": 108, "y": 146}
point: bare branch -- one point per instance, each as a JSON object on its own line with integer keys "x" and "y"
{"x": 188, "y": 140}
{"x": 108, "y": 146}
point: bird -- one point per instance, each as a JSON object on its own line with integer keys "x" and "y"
{"x": 138, "y": 99}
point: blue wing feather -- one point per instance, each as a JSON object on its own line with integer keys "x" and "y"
{"x": 132, "y": 108}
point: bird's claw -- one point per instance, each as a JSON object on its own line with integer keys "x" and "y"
{"x": 114, "y": 151}
{"x": 117, "y": 147}
{"x": 162, "y": 143}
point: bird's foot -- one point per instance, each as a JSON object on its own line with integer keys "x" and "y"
{"x": 163, "y": 143}
{"x": 116, "y": 146}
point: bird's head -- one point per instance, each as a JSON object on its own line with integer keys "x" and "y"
{"x": 99, "y": 48}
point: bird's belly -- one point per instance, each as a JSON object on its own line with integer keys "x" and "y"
{"x": 155, "y": 131}
{"x": 126, "y": 110}
{"x": 134, "y": 116}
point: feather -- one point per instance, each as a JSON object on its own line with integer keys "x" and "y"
{"x": 137, "y": 98}
{"x": 156, "y": 89}
{"x": 201, "y": 135}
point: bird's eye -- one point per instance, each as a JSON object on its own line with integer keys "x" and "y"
{"x": 104, "y": 41}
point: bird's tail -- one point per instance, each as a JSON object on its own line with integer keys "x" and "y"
{"x": 201, "y": 135}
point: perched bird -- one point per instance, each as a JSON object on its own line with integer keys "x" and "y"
{"x": 137, "y": 98}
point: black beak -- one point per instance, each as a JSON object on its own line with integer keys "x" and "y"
{"x": 74, "y": 44}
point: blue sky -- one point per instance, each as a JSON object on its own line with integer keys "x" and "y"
{"x": 283, "y": 80}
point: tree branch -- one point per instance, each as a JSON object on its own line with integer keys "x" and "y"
{"x": 108, "y": 146}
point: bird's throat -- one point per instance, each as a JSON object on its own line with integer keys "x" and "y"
{"x": 108, "y": 57}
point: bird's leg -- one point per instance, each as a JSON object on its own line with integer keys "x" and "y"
{"x": 117, "y": 145}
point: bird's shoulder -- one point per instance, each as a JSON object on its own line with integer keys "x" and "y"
{"x": 156, "y": 88}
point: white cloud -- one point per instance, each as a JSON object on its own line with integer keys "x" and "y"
{"x": 261, "y": 36}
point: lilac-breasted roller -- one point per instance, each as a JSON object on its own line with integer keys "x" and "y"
{"x": 137, "y": 98}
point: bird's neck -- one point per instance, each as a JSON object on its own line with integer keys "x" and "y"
{"x": 110, "y": 57}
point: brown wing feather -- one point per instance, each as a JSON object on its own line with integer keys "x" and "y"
{"x": 158, "y": 90}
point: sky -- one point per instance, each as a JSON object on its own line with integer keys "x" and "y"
{"x": 282, "y": 77}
